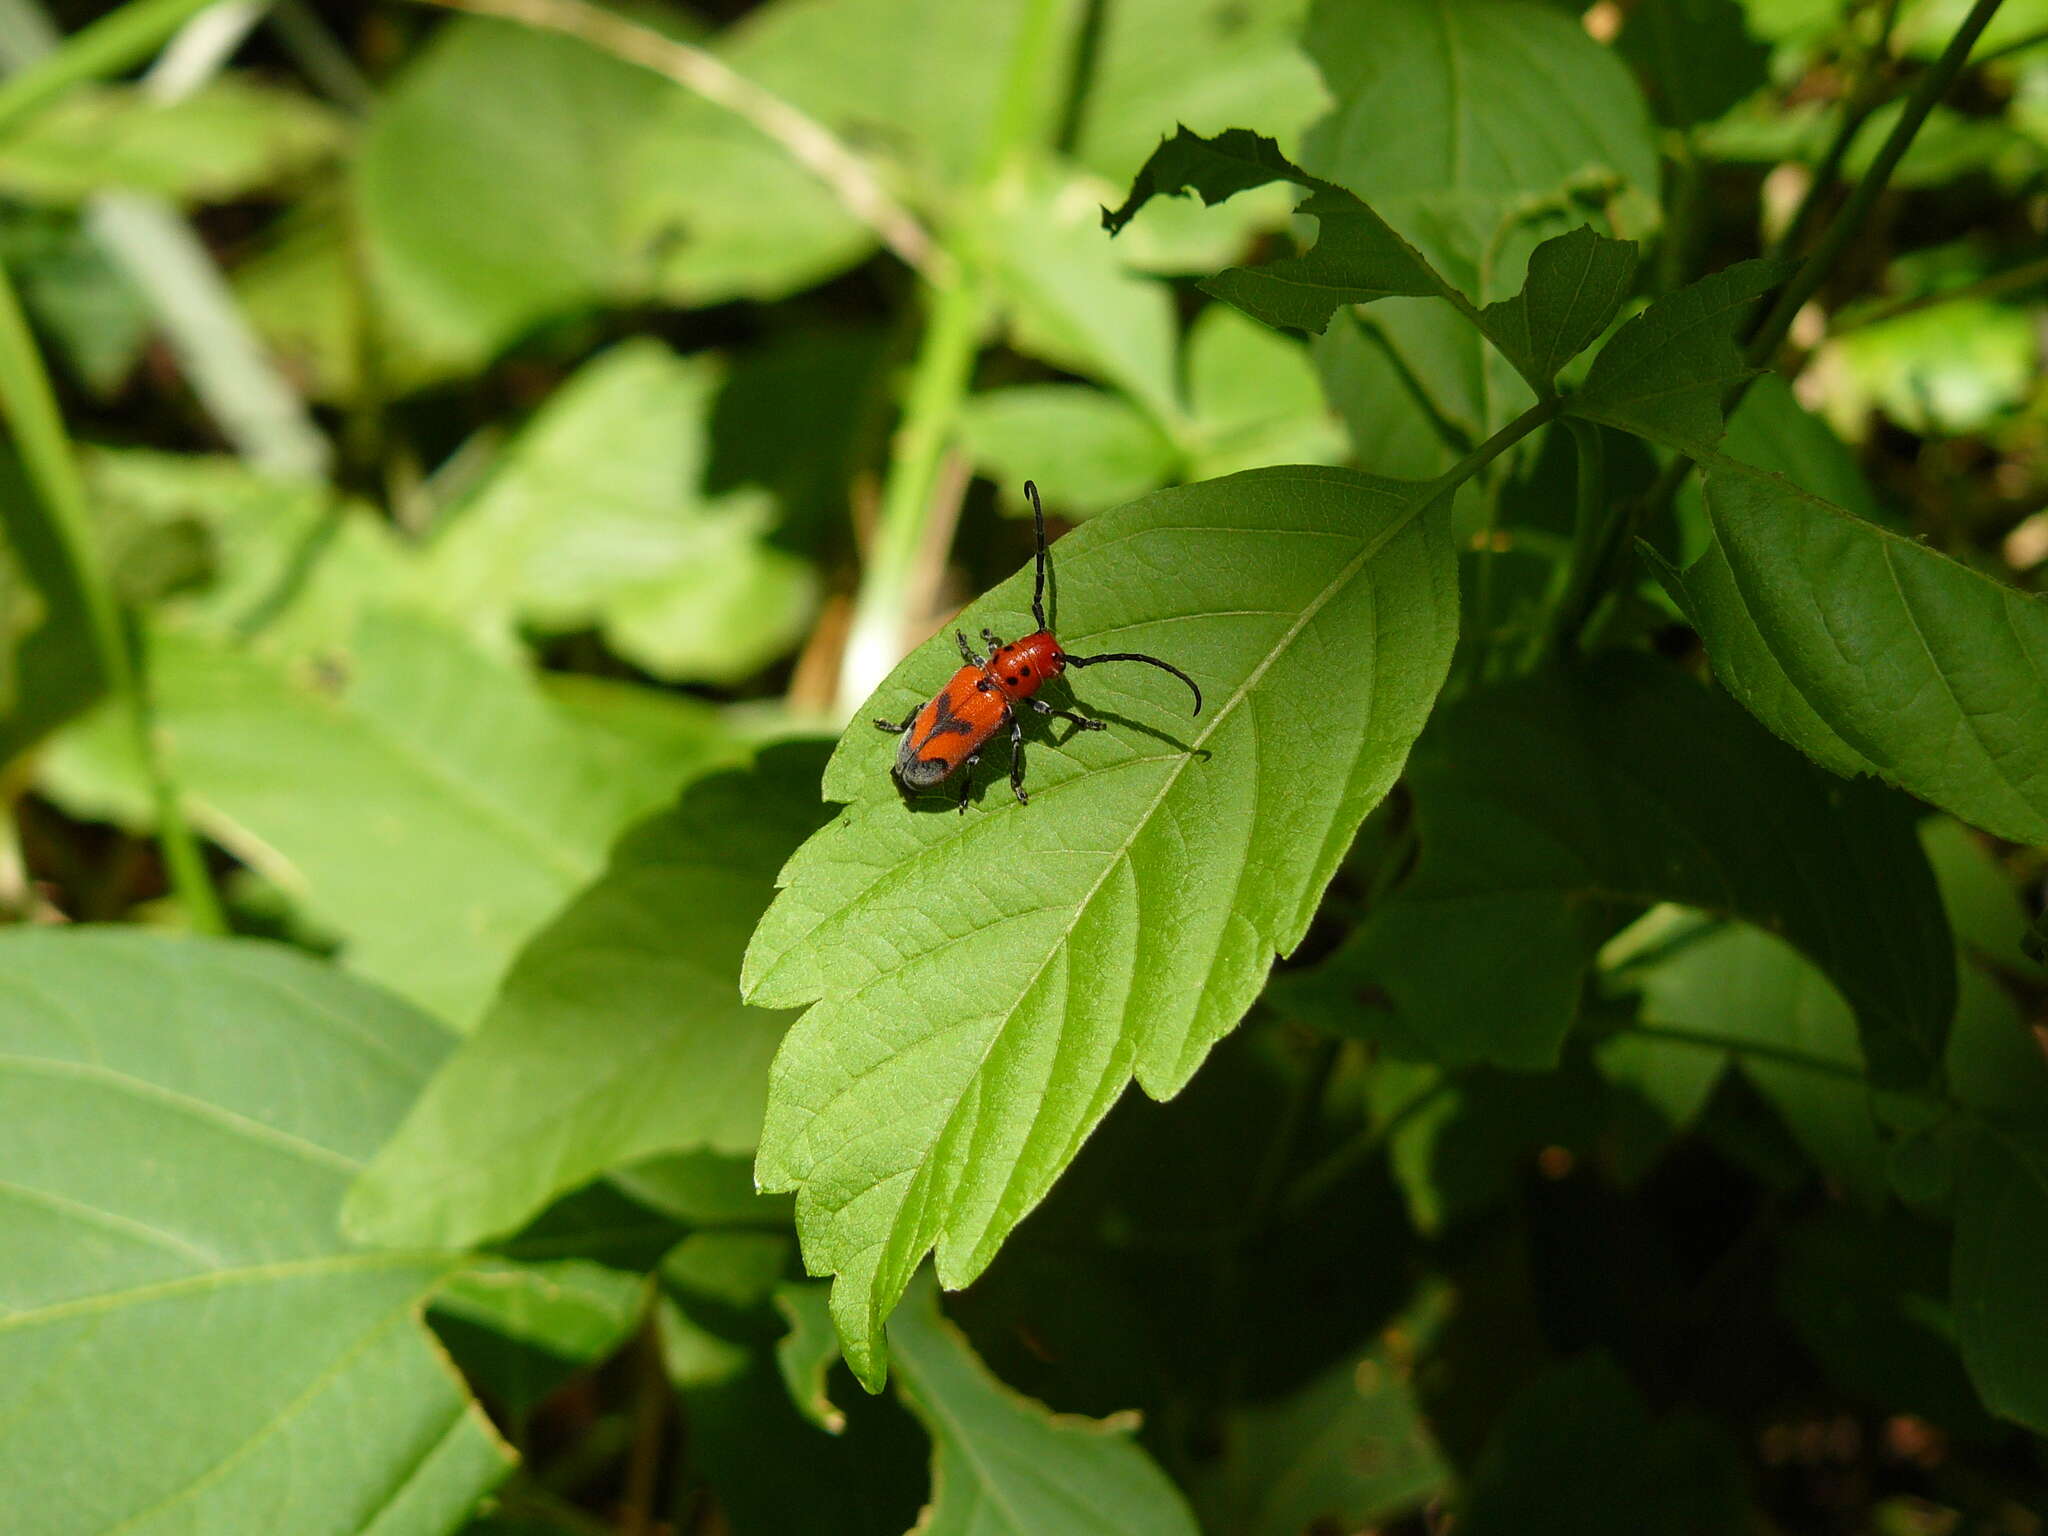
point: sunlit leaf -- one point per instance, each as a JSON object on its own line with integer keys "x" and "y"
{"x": 1090, "y": 448}
{"x": 1003, "y": 1465}
{"x": 1254, "y": 398}
{"x": 180, "y": 1120}
{"x": 1874, "y": 654}
{"x": 1575, "y": 286}
{"x": 618, "y": 1032}
{"x": 598, "y": 518}
{"x": 1139, "y": 898}
{"x": 229, "y": 139}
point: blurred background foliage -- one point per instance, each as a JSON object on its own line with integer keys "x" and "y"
{"x": 487, "y": 433}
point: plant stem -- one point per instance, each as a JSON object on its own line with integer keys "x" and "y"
{"x": 1595, "y": 531}
{"x": 1783, "y": 1056}
{"x": 31, "y": 412}
{"x": 2027, "y": 274}
{"x": 1864, "y": 97}
{"x": 1848, "y": 223}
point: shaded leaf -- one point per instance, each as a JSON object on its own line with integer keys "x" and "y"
{"x": 55, "y": 662}
{"x": 1253, "y": 399}
{"x": 1549, "y": 807}
{"x": 2000, "y": 1254}
{"x": 1663, "y": 374}
{"x": 619, "y": 1031}
{"x": 1874, "y": 654}
{"x": 1141, "y": 895}
{"x": 1575, "y": 287}
{"x": 519, "y": 1330}
{"x": 806, "y": 1354}
{"x": 1003, "y": 1465}
{"x": 213, "y": 1294}
{"x": 1696, "y": 56}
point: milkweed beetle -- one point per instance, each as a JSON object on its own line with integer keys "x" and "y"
{"x": 945, "y": 736}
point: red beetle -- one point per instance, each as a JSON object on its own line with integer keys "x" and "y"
{"x": 945, "y": 736}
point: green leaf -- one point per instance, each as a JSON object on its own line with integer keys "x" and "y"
{"x": 1696, "y": 56}
{"x": 1873, "y": 654}
{"x": 55, "y": 663}
{"x": 1458, "y": 120}
{"x": 695, "y": 204}
{"x": 491, "y": 807}
{"x": 231, "y": 138}
{"x": 1254, "y": 399}
{"x": 1349, "y": 1451}
{"x": 1359, "y": 257}
{"x": 1739, "y": 984}
{"x": 2001, "y": 1252}
{"x": 213, "y": 1293}
{"x": 519, "y": 1330}
{"x": 598, "y": 518}
{"x": 1575, "y": 287}
{"x": 1070, "y": 300}
{"x": 1003, "y": 1465}
{"x": 1091, "y": 449}
{"x": 1141, "y": 895}
{"x": 619, "y": 1031}
{"x": 806, "y": 1354}
{"x": 1663, "y": 374}
{"x": 1548, "y": 807}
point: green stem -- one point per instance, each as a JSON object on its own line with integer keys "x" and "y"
{"x": 31, "y": 413}
{"x": 1848, "y": 223}
{"x": 878, "y": 636}
{"x": 2027, "y": 274}
{"x": 1779, "y": 1054}
{"x": 1866, "y": 94}
{"x": 1596, "y": 529}
{"x": 110, "y": 45}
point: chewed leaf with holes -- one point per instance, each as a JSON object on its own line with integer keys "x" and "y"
{"x": 186, "y": 1344}
{"x": 985, "y": 985}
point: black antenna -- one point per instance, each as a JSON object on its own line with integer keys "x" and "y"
{"x": 1038, "y": 519}
{"x": 1150, "y": 661}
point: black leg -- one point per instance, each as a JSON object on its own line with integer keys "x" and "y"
{"x": 967, "y": 779}
{"x": 967, "y": 651}
{"x": 1017, "y": 759}
{"x": 990, "y": 636}
{"x": 898, "y": 727}
{"x": 1080, "y": 722}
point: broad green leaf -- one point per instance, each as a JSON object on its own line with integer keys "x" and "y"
{"x": 411, "y": 764}
{"x": 1349, "y": 1451}
{"x": 229, "y": 139}
{"x": 619, "y": 1031}
{"x": 598, "y": 518}
{"x": 1575, "y": 287}
{"x": 1459, "y": 118}
{"x": 1003, "y": 1465}
{"x": 2001, "y": 1252}
{"x": 1787, "y": 1028}
{"x": 1663, "y": 374}
{"x": 1394, "y": 425}
{"x": 185, "y": 1341}
{"x": 703, "y": 1189}
{"x": 519, "y": 1330}
{"x": 1773, "y": 431}
{"x": 1696, "y": 57}
{"x": 1549, "y": 806}
{"x": 1140, "y": 896}
{"x": 481, "y": 216}
{"x": 1092, "y": 450}
{"x": 1253, "y": 399}
{"x": 1357, "y": 259}
{"x": 1940, "y": 372}
{"x": 1874, "y": 654}
{"x": 1069, "y": 299}
{"x": 806, "y": 1354}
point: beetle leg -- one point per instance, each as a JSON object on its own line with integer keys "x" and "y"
{"x": 1017, "y": 759}
{"x": 967, "y": 779}
{"x": 990, "y": 636}
{"x": 1081, "y": 722}
{"x": 898, "y": 727}
{"x": 967, "y": 651}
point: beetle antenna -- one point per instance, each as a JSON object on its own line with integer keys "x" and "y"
{"x": 1038, "y": 520}
{"x": 1150, "y": 661}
